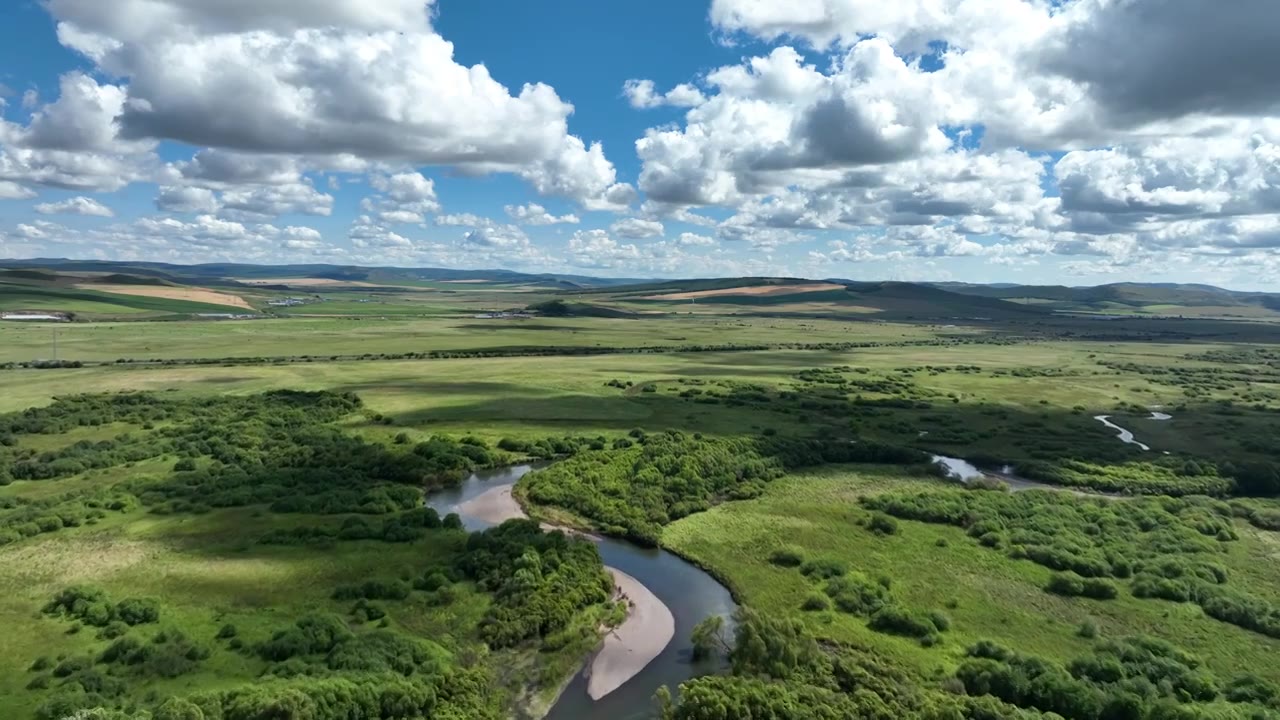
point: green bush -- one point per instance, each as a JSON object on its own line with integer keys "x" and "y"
{"x": 824, "y": 568}
{"x": 897, "y": 620}
{"x": 882, "y": 524}
{"x": 789, "y": 556}
{"x": 815, "y": 602}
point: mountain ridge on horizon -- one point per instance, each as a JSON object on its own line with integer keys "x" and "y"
{"x": 1002, "y": 290}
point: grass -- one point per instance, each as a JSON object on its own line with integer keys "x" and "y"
{"x": 208, "y": 573}
{"x": 986, "y": 594}
{"x": 322, "y": 337}
{"x": 1025, "y": 396}
{"x": 94, "y": 303}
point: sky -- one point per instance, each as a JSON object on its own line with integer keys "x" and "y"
{"x": 1034, "y": 141}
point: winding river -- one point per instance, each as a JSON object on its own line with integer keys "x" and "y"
{"x": 690, "y": 594}
{"x": 1127, "y": 436}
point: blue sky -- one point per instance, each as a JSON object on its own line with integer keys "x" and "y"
{"x": 832, "y": 138}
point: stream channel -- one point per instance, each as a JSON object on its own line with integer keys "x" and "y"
{"x": 691, "y": 594}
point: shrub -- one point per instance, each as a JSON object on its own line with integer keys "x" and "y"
{"x": 374, "y": 590}
{"x": 135, "y": 611}
{"x": 882, "y": 524}
{"x": 816, "y": 602}
{"x": 856, "y": 594}
{"x": 226, "y": 632}
{"x": 789, "y": 556}
{"x": 824, "y": 568}
{"x": 1070, "y": 585}
{"x": 897, "y": 620}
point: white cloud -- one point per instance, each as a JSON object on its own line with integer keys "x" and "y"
{"x": 273, "y": 200}
{"x": 74, "y": 143}
{"x": 535, "y": 214}
{"x": 464, "y": 220}
{"x": 332, "y": 78}
{"x": 694, "y": 240}
{"x": 39, "y": 230}
{"x": 75, "y": 206}
{"x": 504, "y": 237}
{"x": 14, "y": 191}
{"x": 127, "y": 21}
{"x": 595, "y": 249}
{"x": 406, "y": 198}
{"x": 1141, "y": 63}
{"x": 643, "y": 95}
{"x": 636, "y": 228}
{"x": 221, "y": 169}
{"x": 187, "y": 200}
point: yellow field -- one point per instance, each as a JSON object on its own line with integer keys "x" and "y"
{"x": 191, "y": 294}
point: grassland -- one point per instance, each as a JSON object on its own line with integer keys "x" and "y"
{"x": 870, "y": 365}
{"x": 987, "y": 596}
{"x": 95, "y": 303}
{"x": 324, "y": 337}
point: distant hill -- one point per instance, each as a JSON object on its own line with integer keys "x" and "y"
{"x": 217, "y": 273}
{"x": 1148, "y": 298}
{"x": 886, "y": 299}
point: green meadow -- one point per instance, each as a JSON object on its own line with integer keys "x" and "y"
{"x": 256, "y": 474}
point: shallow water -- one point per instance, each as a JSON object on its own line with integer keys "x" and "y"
{"x": 1125, "y": 436}
{"x": 691, "y": 594}
{"x": 965, "y": 472}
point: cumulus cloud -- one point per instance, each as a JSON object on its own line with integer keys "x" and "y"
{"x": 14, "y": 191}
{"x": 74, "y": 142}
{"x": 222, "y": 169}
{"x": 273, "y": 200}
{"x": 595, "y": 249}
{"x": 1143, "y": 61}
{"x": 637, "y": 228}
{"x": 694, "y": 240}
{"x": 187, "y": 200}
{"x": 535, "y": 214}
{"x": 332, "y": 82}
{"x": 643, "y": 95}
{"x": 75, "y": 206}
{"x": 405, "y": 198}
{"x": 929, "y": 121}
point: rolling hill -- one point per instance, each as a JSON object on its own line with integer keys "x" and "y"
{"x": 763, "y": 295}
{"x": 1143, "y": 298}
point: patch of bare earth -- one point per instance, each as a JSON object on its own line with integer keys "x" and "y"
{"x": 749, "y": 291}
{"x": 190, "y": 294}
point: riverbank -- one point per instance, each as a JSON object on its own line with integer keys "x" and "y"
{"x": 634, "y": 644}
{"x": 628, "y": 648}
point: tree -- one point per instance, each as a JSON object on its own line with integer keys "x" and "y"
{"x": 708, "y": 638}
